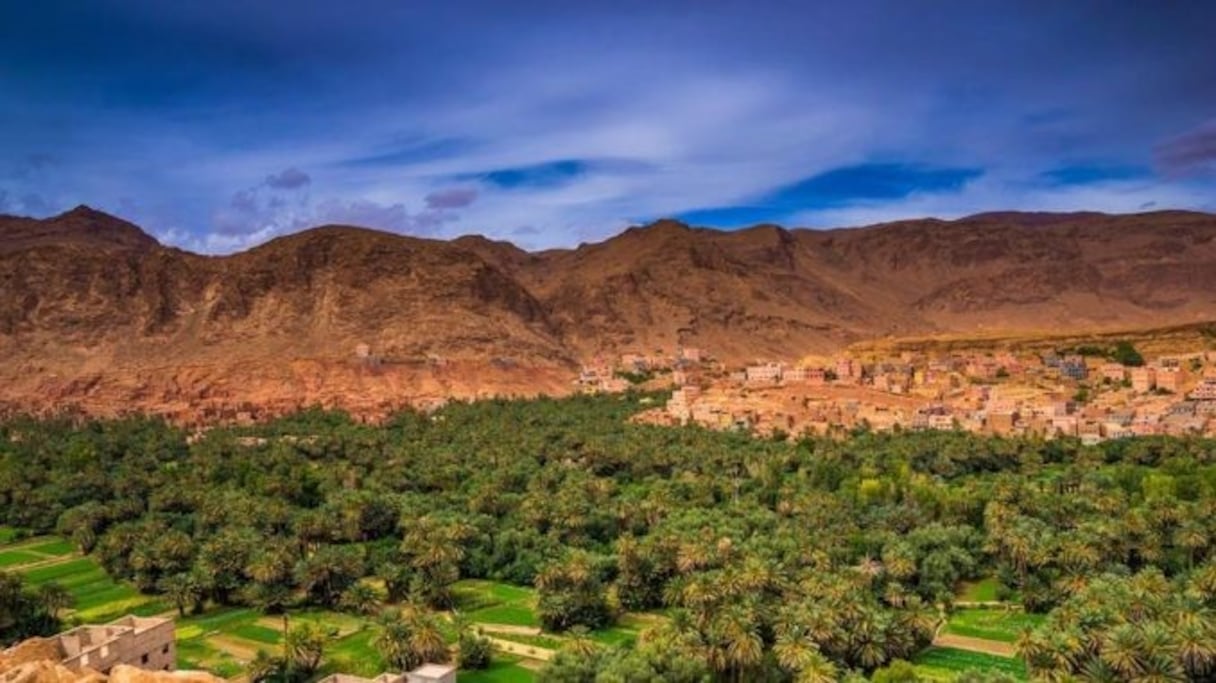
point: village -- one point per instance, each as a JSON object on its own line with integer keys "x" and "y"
{"x": 1054, "y": 394}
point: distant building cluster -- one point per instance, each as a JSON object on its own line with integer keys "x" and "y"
{"x": 1004, "y": 393}
{"x": 605, "y": 375}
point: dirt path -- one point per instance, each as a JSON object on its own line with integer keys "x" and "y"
{"x": 45, "y": 561}
{"x": 988, "y": 647}
{"x": 237, "y": 647}
{"x": 526, "y": 651}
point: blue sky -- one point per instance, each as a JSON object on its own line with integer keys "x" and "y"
{"x": 219, "y": 125}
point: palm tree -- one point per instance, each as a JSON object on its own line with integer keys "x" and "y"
{"x": 426, "y": 640}
{"x": 737, "y": 630}
{"x": 580, "y": 642}
{"x": 305, "y": 646}
{"x": 55, "y": 598}
{"x": 392, "y": 642}
{"x": 1122, "y": 650}
{"x": 182, "y": 590}
{"x": 1196, "y": 645}
{"x": 360, "y": 598}
{"x": 819, "y": 669}
{"x": 411, "y": 637}
{"x": 793, "y": 650}
{"x": 263, "y": 667}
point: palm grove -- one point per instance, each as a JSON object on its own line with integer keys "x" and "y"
{"x": 807, "y": 560}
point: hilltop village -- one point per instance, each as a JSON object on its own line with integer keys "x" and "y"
{"x": 1089, "y": 393}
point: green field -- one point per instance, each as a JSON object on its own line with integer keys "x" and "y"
{"x": 501, "y": 670}
{"x": 490, "y": 602}
{"x": 496, "y": 603}
{"x": 355, "y": 654}
{"x": 943, "y": 663}
{"x": 984, "y": 590}
{"x": 222, "y": 640}
{"x": 615, "y": 635}
{"x": 259, "y": 633}
{"x": 992, "y": 624}
{"x": 54, "y": 547}
{"x": 97, "y": 597}
{"x": 14, "y": 558}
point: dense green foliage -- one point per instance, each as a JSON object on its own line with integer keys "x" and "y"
{"x": 1142, "y": 627}
{"x": 1127, "y": 354}
{"x": 775, "y": 560}
{"x": 1122, "y": 352}
{"x": 26, "y": 611}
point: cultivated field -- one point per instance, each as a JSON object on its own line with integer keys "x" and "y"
{"x": 944, "y": 663}
{"x": 1000, "y": 624}
{"x": 224, "y": 639}
{"x": 97, "y": 597}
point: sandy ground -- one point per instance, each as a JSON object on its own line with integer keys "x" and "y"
{"x": 989, "y": 647}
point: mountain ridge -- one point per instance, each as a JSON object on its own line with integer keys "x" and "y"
{"x": 97, "y": 314}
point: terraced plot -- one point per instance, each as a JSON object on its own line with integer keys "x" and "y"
{"x": 56, "y": 547}
{"x": 98, "y": 598}
{"x": 16, "y": 558}
{"x": 1003, "y": 625}
{"x": 206, "y": 641}
{"x": 944, "y": 663}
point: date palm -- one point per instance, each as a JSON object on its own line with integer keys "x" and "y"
{"x": 1195, "y": 642}
{"x": 819, "y": 669}
{"x": 360, "y": 598}
{"x": 1123, "y": 650}
{"x": 55, "y": 598}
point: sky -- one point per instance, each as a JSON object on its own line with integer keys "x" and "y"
{"x": 219, "y": 125}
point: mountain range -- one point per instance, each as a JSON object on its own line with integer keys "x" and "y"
{"x": 98, "y": 316}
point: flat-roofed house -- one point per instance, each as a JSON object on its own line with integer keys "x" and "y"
{"x": 143, "y": 642}
{"x": 432, "y": 673}
{"x": 764, "y": 373}
{"x": 1170, "y": 379}
{"x": 1114, "y": 373}
{"x": 1144, "y": 379}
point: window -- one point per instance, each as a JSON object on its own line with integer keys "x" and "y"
{"x": 165, "y": 650}
{"x": 143, "y": 660}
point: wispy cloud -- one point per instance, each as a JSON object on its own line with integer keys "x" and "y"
{"x": 1191, "y": 153}
{"x": 289, "y": 179}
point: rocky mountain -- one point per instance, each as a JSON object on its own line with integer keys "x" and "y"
{"x": 96, "y": 315}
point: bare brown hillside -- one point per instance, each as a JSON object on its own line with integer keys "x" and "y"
{"x": 96, "y": 314}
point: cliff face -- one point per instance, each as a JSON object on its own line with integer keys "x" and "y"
{"x": 337, "y": 316}
{"x": 95, "y": 314}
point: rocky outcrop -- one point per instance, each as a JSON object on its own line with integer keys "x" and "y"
{"x": 45, "y": 671}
